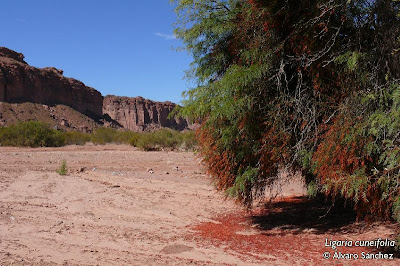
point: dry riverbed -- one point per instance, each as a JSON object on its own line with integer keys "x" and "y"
{"x": 121, "y": 206}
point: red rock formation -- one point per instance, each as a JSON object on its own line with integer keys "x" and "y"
{"x": 139, "y": 114}
{"x": 34, "y": 87}
{"x": 20, "y": 82}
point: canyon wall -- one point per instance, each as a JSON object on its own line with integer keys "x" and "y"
{"x": 139, "y": 114}
{"x": 24, "y": 89}
{"x": 20, "y": 82}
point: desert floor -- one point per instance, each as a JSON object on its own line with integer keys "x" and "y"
{"x": 111, "y": 209}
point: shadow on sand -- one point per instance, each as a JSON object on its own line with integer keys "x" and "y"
{"x": 299, "y": 215}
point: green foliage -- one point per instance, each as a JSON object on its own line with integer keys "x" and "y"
{"x": 164, "y": 139}
{"x": 188, "y": 140}
{"x": 146, "y": 142}
{"x": 309, "y": 85}
{"x": 109, "y": 135}
{"x": 350, "y": 59}
{"x": 312, "y": 189}
{"x": 243, "y": 183}
{"x": 31, "y": 134}
{"x": 37, "y": 134}
{"x": 396, "y": 209}
{"x": 396, "y": 216}
{"x": 134, "y": 139}
{"x": 76, "y": 138}
{"x": 305, "y": 159}
{"x": 124, "y": 137}
{"x": 63, "y": 168}
{"x": 103, "y": 135}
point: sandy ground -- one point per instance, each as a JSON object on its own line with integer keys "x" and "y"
{"x": 111, "y": 209}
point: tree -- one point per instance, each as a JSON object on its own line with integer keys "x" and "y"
{"x": 307, "y": 85}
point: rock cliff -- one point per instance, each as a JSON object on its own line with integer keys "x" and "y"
{"x": 20, "y": 82}
{"x": 139, "y": 114}
{"x": 30, "y": 93}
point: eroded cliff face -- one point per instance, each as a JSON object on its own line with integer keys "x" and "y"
{"x": 20, "y": 82}
{"x": 44, "y": 94}
{"x": 139, "y": 114}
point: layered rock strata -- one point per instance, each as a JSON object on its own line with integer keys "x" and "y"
{"x": 139, "y": 114}
{"x": 20, "y": 82}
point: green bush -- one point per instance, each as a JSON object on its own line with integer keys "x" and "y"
{"x": 103, "y": 135}
{"x": 134, "y": 139}
{"x": 188, "y": 140}
{"x": 146, "y": 142}
{"x": 31, "y": 134}
{"x": 109, "y": 135}
{"x": 164, "y": 139}
{"x": 37, "y": 134}
{"x": 63, "y": 168}
{"x": 124, "y": 137}
{"x": 77, "y": 138}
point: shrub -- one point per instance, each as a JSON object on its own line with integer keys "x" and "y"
{"x": 37, "y": 134}
{"x": 109, "y": 135}
{"x": 31, "y": 134}
{"x": 146, "y": 142}
{"x": 134, "y": 139}
{"x": 124, "y": 137}
{"x": 164, "y": 139}
{"x": 77, "y": 138}
{"x": 103, "y": 135}
{"x": 188, "y": 140}
{"x": 63, "y": 168}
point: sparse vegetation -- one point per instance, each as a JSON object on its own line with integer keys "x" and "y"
{"x": 31, "y": 134}
{"x": 147, "y": 141}
{"x": 124, "y": 137}
{"x": 109, "y": 135}
{"x": 63, "y": 168}
{"x": 164, "y": 139}
{"x": 75, "y": 137}
{"x": 103, "y": 136}
{"x": 37, "y": 134}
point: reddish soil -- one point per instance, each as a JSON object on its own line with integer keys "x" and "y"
{"x": 294, "y": 230}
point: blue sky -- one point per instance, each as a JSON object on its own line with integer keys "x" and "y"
{"x": 121, "y": 47}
